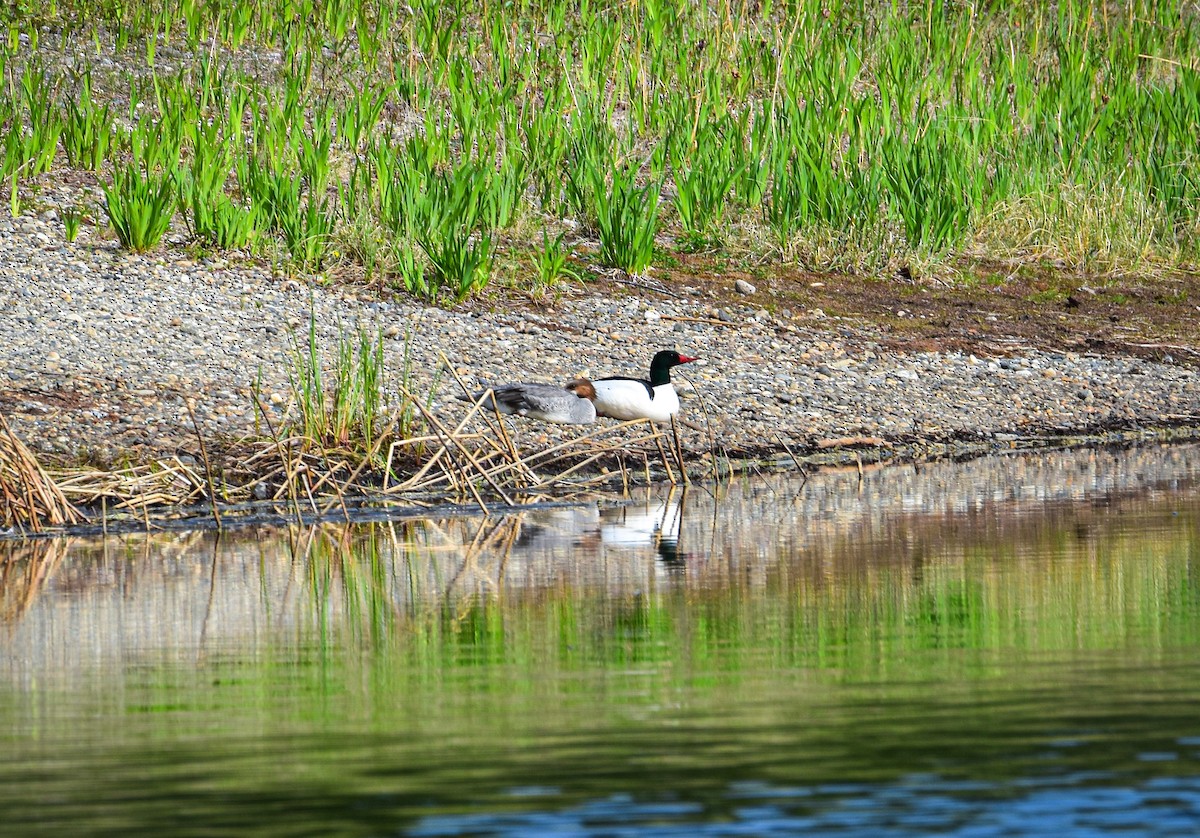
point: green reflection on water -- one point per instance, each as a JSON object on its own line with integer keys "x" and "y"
{"x": 355, "y": 678}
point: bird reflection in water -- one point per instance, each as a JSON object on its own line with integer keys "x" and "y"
{"x": 656, "y": 523}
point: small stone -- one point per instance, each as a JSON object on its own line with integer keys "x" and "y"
{"x": 744, "y": 287}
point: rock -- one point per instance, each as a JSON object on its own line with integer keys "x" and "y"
{"x": 744, "y": 287}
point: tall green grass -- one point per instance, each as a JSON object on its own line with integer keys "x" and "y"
{"x": 345, "y": 407}
{"x": 808, "y": 131}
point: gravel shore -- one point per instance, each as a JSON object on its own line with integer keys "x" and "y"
{"x": 100, "y": 348}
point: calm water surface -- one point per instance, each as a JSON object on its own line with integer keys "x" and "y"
{"x": 1005, "y": 646}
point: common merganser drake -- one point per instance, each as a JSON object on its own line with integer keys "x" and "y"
{"x": 569, "y": 405}
{"x": 637, "y": 398}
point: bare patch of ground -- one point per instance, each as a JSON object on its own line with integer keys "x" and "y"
{"x": 989, "y": 309}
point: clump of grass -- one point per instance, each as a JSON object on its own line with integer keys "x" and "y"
{"x": 550, "y": 261}
{"x": 213, "y": 216}
{"x": 928, "y": 186}
{"x": 71, "y": 218}
{"x": 140, "y": 206}
{"x": 87, "y": 132}
{"x": 624, "y": 213}
{"x": 1089, "y": 227}
{"x": 461, "y": 261}
{"x": 704, "y": 171}
{"x": 346, "y": 410}
{"x": 277, "y": 199}
{"x": 45, "y": 120}
{"x": 308, "y": 232}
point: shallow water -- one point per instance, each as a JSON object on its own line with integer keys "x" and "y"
{"x": 1003, "y": 646}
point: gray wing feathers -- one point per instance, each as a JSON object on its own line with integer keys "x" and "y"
{"x": 547, "y": 402}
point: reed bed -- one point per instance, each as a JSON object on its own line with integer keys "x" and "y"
{"x": 474, "y": 460}
{"x": 161, "y": 483}
{"x": 351, "y": 434}
{"x": 429, "y": 146}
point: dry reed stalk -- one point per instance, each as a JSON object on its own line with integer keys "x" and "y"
{"x": 582, "y": 464}
{"x": 328, "y": 473}
{"x": 567, "y": 448}
{"x": 590, "y": 435}
{"x": 678, "y": 452}
{"x": 795, "y": 460}
{"x": 662, "y": 452}
{"x": 452, "y": 473}
{"x": 387, "y": 466}
{"x": 212, "y": 490}
{"x": 438, "y": 426}
{"x": 423, "y": 470}
{"x": 28, "y": 495}
{"x": 501, "y": 464}
{"x": 284, "y": 461}
{"x": 510, "y": 447}
{"x": 455, "y": 475}
{"x": 162, "y": 482}
{"x": 493, "y": 419}
{"x": 302, "y": 471}
{"x": 557, "y": 453}
{"x": 712, "y": 437}
{"x": 395, "y": 417}
{"x": 444, "y": 451}
{"x": 398, "y": 444}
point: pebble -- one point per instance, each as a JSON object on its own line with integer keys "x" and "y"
{"x": 100, "y": 349}
{"x": 744, "y": 287}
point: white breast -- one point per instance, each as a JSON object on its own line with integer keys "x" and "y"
{"x": 625, "y": 399}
